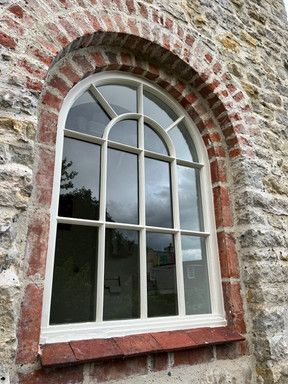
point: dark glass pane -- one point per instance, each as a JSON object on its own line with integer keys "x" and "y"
{"x": 125, "y": 132}
{"x": 153, "y": 142}
{"x": 161, "y": 275}
{"x": 183, "y": 143}
{"x": 79, "y": 193}
{"x": 196, "y": 284}
{"x": 158, "y": 110}
{"x": 123, "y": 99}
{"x": 75, "y": 271}
{"x": 87, "y": 116}
{"x": 158, "y": 193}
{"x": 122, "y": 275}
{"x": 189, "y": 198}
{"x": 122, "y": 187}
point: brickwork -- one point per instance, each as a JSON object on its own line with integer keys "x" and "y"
{"x": 225, "y": 63}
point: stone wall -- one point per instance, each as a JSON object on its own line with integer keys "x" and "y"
{"x": 245, "y": 44}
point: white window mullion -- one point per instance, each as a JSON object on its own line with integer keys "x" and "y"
{"x": 101, "y": 235}
{"x": 177, "y": 237}
{"x": 101, "y": 99}
{"x": 142, "y": 219}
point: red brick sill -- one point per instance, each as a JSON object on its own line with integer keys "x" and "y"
{"x": 77, "y": 352}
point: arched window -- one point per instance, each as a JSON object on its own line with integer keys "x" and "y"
{"x": 132, "y": 240}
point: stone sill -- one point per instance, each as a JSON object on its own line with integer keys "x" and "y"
{"x": 84, "y": 351}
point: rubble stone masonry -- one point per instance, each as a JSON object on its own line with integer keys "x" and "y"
{"x": 226, "y": 63}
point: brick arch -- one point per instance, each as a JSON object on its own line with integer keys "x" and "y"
{"x": 154, "y": 35}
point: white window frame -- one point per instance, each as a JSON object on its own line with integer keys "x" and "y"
{"x": 106, "y": 329}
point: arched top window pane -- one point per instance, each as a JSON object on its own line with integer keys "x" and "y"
{"x": 125, "y": 132}
{"x": 158, "y": 110}
{"x": 183, "y": 143}
{"x": 153, "y": 142}
{"x": 87, "y": 116}
{"x": 122, "y": 98}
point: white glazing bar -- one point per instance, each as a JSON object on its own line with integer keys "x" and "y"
{"x": 104, "y": 103}
{"x": 111, "y": 224}
{"x": 194, "y": 233}
{"x": 177, "y": 237}
{"x": 190, "y": 164}
{"x": 76, "y": 221}
{"x": 123, "y": 147}
{"x": 101, "y": 236}
{"x": 175, "y": 123}
{"x": 142, "y": 218}
{"x": 158, "y": 156}
{"x": 83, "y": 136}
{"x": 100, "y": 274}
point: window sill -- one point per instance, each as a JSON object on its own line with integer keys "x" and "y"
{"x": 84, "y": 351}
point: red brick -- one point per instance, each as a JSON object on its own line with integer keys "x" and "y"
{"x": 231, "y": 351}
{"x": 34, "y": 85}
{"x": 98, "y": 59}
{"x": 119, "y": 369}
{"x": 57, "y": 354}
{"x": 218, "y": 171}
{"x": 90, "y": 350}
{"x": 32, "y": 69}
{"x": 44, "y": 175}
{"x": 193, "y": 356}
{"x": 28, "y": 331}
{"x": 67, "y": 375}
{"x": 160, "y": 361}
{"x": 216, "y": 152}
{"x": 209, "y": 58}
{"x": 94, "y": 21}
{"x": 59, "y": 84}
{"x": 47, "y": 127}
{"x": 51, "y": 100}
{"x": 217, "y": 68}
{"x": 234, "y": 305}
{"x": 235, "y": 152}
{"x": 37, "y": 244}
{"x": 43, "y": 57}
{"x": 231, "y": 88}
{"x": 72, "y": 30}
{"x": 83, "y": 63}
{"x": 143, "y": 10}
{"x": 189, "y": 40}
{"x": 130, "y": 6}
{"x": 17, "y": 11}
{"x": 137, "y": 344}
{"x": 121, "y": 25}
{"x": 170, "y": 341}
{"x": 222, "y": 206}
{"x": 133, "y": 27}
{"x": 228, "y": 255}
{"x": 211, "y": 137}
{"x": 239, "y": 96}
{"x": 59, "y": 36}
{"x": 108, "y": 23}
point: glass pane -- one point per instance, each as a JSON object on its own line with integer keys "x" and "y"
{"x": 196, "y": 284}
{"x": 158, "y": 110}
{"x": 189, "y": 198}
{"x": 161, "y": 275}
{"x": 87, "y": 116}
{"x": 123, "y": 99}
{"x": 122, "y": 281}
{"x": 125, "y": 132}
{"x": 153, "y": 142}
{"x": 79, "y": 193}
{"x": 158, "y": 193}
{"x": 122, "y": 187}
{"x": 75, "y": 271}
{"x": 183, "y": 143}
